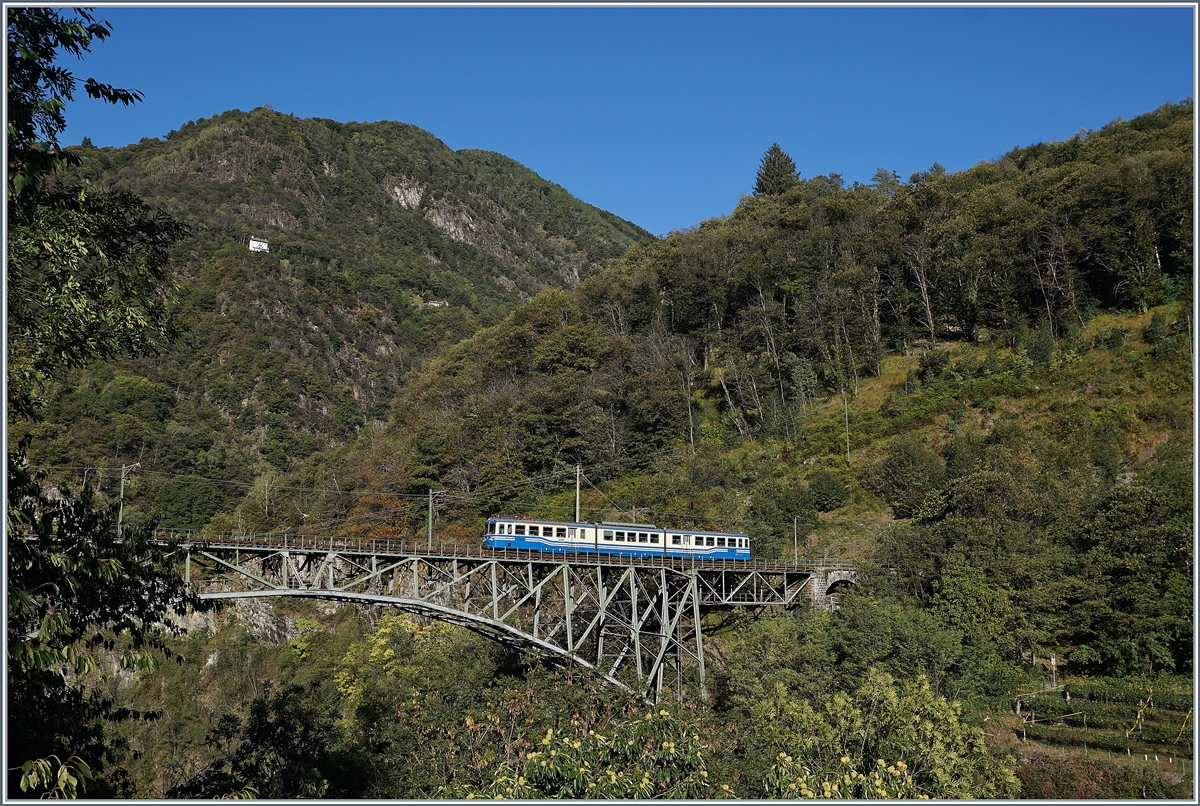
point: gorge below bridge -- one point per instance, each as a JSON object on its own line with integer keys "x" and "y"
{"x": 634, "y": 621}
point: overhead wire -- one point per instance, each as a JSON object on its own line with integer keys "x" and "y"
{"x": 443, "y": 496}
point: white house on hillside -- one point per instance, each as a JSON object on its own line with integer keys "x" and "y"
{"x": 258, "y": 245}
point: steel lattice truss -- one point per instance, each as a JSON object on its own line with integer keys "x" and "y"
{"x": 636, "y": 622}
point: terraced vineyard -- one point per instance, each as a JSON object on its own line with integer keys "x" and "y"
{"x": 1146, "y": 723}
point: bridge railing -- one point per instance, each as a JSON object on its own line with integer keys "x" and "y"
{"x": 292, "y": 541}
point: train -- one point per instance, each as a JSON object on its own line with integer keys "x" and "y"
{"x": 615, "y": 539}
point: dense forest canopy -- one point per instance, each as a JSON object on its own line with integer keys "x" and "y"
{"x": 385, "y": 247}
{"x": 976, "y": 386}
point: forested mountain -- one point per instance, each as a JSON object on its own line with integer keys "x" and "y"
{"x": 384, "y": 247}
{"x": 736, "y": 327}
{"x": 738, "y": 332}
{"x": 975, "y": 385}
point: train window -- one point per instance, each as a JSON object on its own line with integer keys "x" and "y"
{"x": 653, "y": 538}
{"x": 720, "y": 541}
{"x": 676, "y": 540}
{"x": 608, "y": 534}
{"x": 621, "y": 537}
{"x": 710, "y": 541}
{"x": 520, "y": 529}
{"x": 561, "y": 531}
{"x": 643, "y": 537}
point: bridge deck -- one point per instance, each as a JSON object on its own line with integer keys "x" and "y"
{"x": 382, "y": 547}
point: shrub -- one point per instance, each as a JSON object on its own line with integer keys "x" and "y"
{"x": 1113, "y": 338}
{"x": 907, "y": 474}
{"x": 1041, "y": 343}
{"x": 1157, "y": 330}
{"x": 933, "y": 363}
{"x": 828, "y": 491}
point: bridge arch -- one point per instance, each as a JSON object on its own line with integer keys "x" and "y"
{"x": 496, "y": 631}
{"x": 839, "y": 584}
{"x": 620, "y": 617}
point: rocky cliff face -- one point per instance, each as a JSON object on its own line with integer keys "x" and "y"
{"x": 299, "y": 182}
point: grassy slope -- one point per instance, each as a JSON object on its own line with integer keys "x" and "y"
{"x": 1151, "y": 399}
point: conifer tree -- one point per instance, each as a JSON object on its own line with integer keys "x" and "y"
{"x": 777, "y": 172}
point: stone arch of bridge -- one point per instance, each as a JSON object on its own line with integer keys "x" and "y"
{"x": 838, "y": 585}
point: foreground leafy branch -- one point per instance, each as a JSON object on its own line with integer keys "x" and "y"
{"x": 38, "y": 773}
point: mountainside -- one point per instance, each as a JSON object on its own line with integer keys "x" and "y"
{"x": 740, "y": 331}
{"x": 384, "y": 247}
{"x": 375, "y": 197}
{"x": 976, "y": 386}
{"x": 981, "y": 381}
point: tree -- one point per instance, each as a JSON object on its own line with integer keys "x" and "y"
{"x": 38, "y": 89}
{"x": 187, "y": 502}
{"x": 652, "y": 756}
{"x": 908, "y": 473}
{"x": 87, "y": 270}
{"x": 87, "y": 279}
{"x": 910, "y": 742}
{"x": 284, "y": 749}
{"x": 776, "y": 173}
{"x": 828, "y": 491}
{"x": 78, "y": 593}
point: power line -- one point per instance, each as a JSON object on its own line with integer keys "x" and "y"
{"x": 448, "y": 497}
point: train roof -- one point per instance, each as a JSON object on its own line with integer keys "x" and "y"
{"x": 620, "y": 525}
{"x": 532, "y": 519}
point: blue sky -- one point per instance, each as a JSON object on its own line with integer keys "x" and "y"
{"x": 660, "y": 115}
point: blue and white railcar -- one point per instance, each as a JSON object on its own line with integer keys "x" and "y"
{"x": 621, "y": 539}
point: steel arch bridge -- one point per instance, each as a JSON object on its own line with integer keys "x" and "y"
{"x": 634, "y": 621}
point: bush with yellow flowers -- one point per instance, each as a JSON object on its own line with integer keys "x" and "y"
{"x": 841, "y": 750}
{"x": 790, "y": 779}
{"x": 651, "y": 755}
